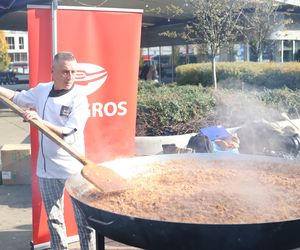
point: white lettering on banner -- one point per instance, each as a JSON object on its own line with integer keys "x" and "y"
{"x": 109, "y": 109}
{"x": 90, "y": 78}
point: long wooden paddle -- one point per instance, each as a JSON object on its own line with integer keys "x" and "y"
{"x": 103, "y": 178}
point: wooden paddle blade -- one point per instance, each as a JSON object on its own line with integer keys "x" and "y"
{"x": 104, "y": 178}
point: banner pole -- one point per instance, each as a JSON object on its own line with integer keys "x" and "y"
{"x": 54, "y": 27}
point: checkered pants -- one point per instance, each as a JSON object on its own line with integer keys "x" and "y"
{"x": 52, "y": 191}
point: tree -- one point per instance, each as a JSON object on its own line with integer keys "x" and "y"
{"x": 176, "y": 55}
{"x": 213, "y": 22}
{"x": 202, "y": 53}
{"x": 4, "y": 57}
{"x": 259, "y": 19}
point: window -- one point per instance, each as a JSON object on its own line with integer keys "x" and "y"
{"x": 23, "y": 57}
{"x": 11, "y": 42}
{"x": 21, "y": 42}
{"x": 17, "y": 57}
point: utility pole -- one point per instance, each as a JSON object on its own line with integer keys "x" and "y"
{"x": 54, "y": 27}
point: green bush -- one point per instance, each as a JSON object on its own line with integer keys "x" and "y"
{"x": 269, "y": 75}
{"x": 176, "y": 109}
{"x": 283, "y": 100}
{"x": 161, "y": 108}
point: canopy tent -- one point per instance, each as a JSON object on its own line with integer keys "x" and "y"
{"x": 7, "y": 6}
{"x": 13, "y": 10}
{"x": 13, "y": 15}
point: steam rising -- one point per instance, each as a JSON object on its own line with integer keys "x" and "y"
{"x": 235, "y": 108}
{"x": 108, "y": 141}
{"x": 261, "y": 127}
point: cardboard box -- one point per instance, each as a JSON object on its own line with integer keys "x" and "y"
{"x": 16, "y": 164}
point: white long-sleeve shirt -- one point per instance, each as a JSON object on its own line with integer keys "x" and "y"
{"x": 67, "y": 109}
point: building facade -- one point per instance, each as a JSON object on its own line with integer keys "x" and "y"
{"x": 283, "y": 45}
{"x": 17, "y": 50}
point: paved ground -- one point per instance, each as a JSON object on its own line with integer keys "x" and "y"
{"x": 15, "y": 217}
{"x": 15, "y": 200}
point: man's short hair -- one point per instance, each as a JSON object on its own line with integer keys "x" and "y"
{"x": 64, "y": 55}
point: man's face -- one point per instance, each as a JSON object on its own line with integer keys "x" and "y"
{"x": 63, "y": 74}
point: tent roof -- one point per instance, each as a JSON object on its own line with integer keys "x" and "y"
{"x": 7, "y": 6}
{"x": 13, "y": 14}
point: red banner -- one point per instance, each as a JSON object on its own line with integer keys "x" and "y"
{"x": 106, "y": 43}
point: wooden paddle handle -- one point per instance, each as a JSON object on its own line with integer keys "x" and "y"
{"x": 49, "y": 133}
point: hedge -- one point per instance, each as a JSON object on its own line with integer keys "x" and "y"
{"x": 162, "y": 109}
{"x": 239, "y": 74}
{"x": 176, "y": 109}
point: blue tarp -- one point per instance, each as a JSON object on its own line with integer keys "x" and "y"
{"x": 215, "y": 132}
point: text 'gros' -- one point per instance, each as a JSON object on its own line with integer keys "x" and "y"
{"x": 108, "y": 109}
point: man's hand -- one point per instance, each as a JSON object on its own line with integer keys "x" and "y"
{"x": 30, "y": 115}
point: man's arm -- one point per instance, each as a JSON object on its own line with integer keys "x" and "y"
{"x": 8, "y": 93}
{"x": 31, "y": 114}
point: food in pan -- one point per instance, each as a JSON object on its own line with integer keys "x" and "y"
{"x": 208, "y": 192}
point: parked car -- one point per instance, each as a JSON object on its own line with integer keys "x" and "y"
{"x": 22, "y": 78}
{"x": 14, "y": 81}
{"x": 8, "y": 78}
{"x": 17, "y": 86}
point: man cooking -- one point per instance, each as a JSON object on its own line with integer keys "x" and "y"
{"x": 63, "y": 108}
